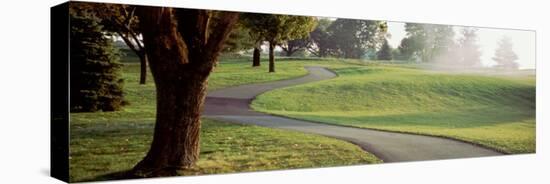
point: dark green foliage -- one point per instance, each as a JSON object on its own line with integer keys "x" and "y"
{"x": 407, "y": 48}
{"x": 292, "y": 46}
{"x": 505, "y": 56}
{"x": 385, "y": 52}
{"x": 95, "y": 81}
{"x": 426, "y": 42}
{"x": 239, "y": 40}
{"x": 278, "y": 28}
{"x": 351, "y": 38}
{"x": 320, "y": 41}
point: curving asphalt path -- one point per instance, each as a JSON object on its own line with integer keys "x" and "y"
{"x": 232, "y": 105}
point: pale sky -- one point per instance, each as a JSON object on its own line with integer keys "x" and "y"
{"x": 524, "y": 42}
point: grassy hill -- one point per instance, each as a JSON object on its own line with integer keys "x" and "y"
{"x": 497, "y": 111}
{"x": 494, "y": 111}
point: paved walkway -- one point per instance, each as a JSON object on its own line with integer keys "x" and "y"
{"x": 232, "y": 104}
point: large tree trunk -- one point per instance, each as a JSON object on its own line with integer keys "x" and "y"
{"x": 182, "y": 52}
{"x": 256, "y": 56}
{"x": 175, "y": 143}
{"x": 271, "y": 57}
{"x": 143, "y": 67}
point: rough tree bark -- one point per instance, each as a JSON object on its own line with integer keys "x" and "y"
{"x": 271, "y": 57}
{"x": 183, "y": 46}
{"x": 256, "y": 55}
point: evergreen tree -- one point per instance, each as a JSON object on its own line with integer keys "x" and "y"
{"x": 94, "y": 67}
{"x": 385, "y": 52}
{"x": 505, "y": 56}
{"x": 469, "y": 53}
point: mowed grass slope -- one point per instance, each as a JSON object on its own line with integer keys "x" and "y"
{"x": 103, "y": 143}
{"x": 497, "y": 112}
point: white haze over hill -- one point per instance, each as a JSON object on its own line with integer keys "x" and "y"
{"x": 524, "y": 42}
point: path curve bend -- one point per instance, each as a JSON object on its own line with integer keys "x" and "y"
{"x": 233, "y": 105}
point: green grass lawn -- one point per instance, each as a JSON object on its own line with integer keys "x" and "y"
{"x": 101, "y": 148}
{"x": 494, "y": 111}
{"x": 237, "y": 71}
{"x": 109, "y": 142}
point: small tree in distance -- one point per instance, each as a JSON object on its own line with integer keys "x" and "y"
{"x": 385, "y": 52}
{"x": 469, "y": 53}
{"x": 276, "y": 29}
{"x": 505, "y": 56}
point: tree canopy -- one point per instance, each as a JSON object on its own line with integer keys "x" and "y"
{"x": 426, "y": 41}
{"x": 505, "y": 57}
{"x": 385, "y": 52}
{"x": 292, "y": 46}
{"x": 351, "y": 38}
{"x": 320, "y": 41}
{"x": 469, "y": 53}
{"x": 239, "y": 39}
{"x": 276, "y": 29}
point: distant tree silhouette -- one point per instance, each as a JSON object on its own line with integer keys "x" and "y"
{"x": 351, "y": 38}
{"x": 407, "y": 48}
{"x": 468, "y": 50}
{"x": 505, "y": 56}
{"x": 385, "y": 52}
{"x": 292, "y": 46}
{"x": 427, "y": 41}
{"x": 276, "y": 29}
{"x": 320, "y": 42}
